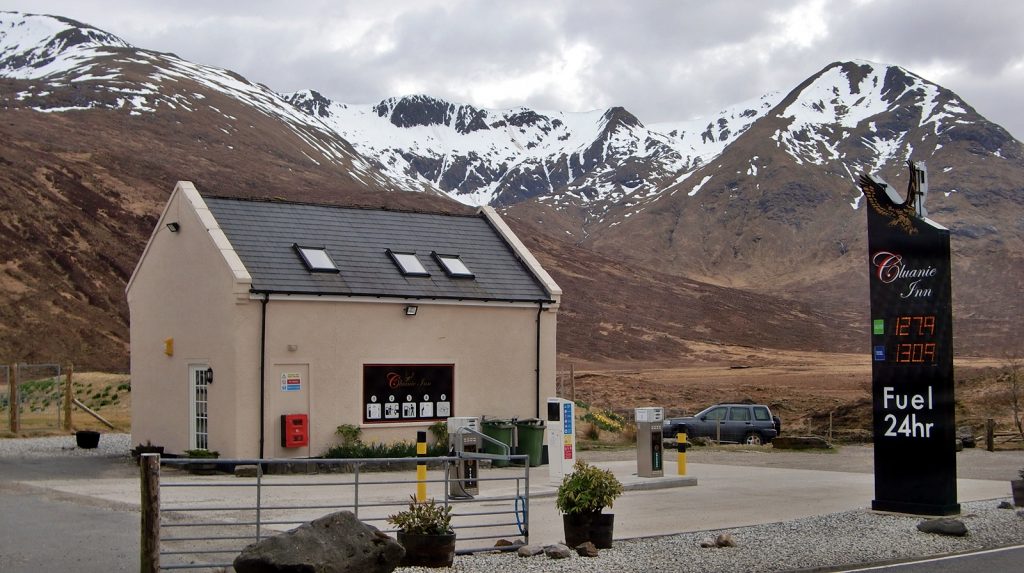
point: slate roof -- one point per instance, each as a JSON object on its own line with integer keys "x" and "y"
{"x": 263, "y": 234}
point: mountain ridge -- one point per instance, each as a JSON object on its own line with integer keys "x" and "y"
{"x": 740, "y": 229}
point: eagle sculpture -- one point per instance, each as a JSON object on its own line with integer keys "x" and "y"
{"x": 881, "y": 197}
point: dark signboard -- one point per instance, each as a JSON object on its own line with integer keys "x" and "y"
{"x": 407, "y": 392}
{"x": 911, "y": 351}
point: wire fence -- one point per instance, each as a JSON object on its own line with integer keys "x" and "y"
{"x": 31, "y": 397}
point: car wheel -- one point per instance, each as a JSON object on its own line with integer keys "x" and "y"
{"x": 753, "y": 439}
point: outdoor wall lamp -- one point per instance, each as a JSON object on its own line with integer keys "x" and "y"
{"x": 411, "y": 309}
{"x": 174, "y": 226}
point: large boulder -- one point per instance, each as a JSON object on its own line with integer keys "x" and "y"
{"x": 335, "y": 543}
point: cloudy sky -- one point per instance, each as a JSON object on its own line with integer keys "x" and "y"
{"x": 662, "y": 60}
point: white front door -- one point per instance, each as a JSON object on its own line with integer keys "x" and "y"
{"x": 198, "y": 431}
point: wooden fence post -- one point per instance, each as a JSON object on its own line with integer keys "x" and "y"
{"x": 67, "y": 397}
{"x": 12, "y": 382}
{"x": 149, "y": 546}
{"x": 572, "y": 382}
{"x": 990, "y": 435}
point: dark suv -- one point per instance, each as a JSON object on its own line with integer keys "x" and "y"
{"x": 751, "y": 424}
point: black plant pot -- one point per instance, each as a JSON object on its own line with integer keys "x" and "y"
{"x": 427, "y": 550}
{"x": 87, "y": 439}
{"x": 593, "y": 527}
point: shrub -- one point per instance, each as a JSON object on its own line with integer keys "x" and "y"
{"x": 207, "y": 454}
{"x": 587, "y": 489}
{"x": 349, "y": 433}
{"x": 359, "y": 450}
{"x": 440, "y": 432}
{"x": 605, "y": 420}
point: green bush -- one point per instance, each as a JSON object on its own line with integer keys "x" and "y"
{"x": 349, "y": 433}
{"x": 206, "y": 454}
{"x": 359, "y": 450}
{"x": 587, "y": 489}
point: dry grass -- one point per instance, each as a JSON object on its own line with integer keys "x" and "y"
{"x": 107, "y": 394}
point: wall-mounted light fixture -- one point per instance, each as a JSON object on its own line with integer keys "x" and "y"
{"x": 411, "y": 309}
{"x": 173, "y": 226}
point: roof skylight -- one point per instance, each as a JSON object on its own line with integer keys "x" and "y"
{"x": 408, "y": 264}
{"x": 453, "y": 266}
{"x": 316, "y": 259}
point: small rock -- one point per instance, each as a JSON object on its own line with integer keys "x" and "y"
{"x": 1005, "y": 505}
{"x": 725, "y": 540}
{"x": 530, "y": 550}
{"x": 1020, "y": 513}
{"x": 966, "y": 436}
{"x": 504, "y": 543}
{"x": 944, "y": 526}
{"x": 708, "y": 543}
{"x": 586, "y": 549}
{"x": 557, "y": 551}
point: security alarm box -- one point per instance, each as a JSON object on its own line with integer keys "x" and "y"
{"x": 294, "y": 430}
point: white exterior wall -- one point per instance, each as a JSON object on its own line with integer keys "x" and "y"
{"x": 493, "y": 349}
{"x": 183, "y": 288}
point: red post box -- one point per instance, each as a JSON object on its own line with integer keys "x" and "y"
{"x": 294, "y": 430}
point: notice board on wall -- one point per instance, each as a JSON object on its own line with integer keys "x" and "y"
{"x": 911, "y": 351}
{"x": 407, "y": 392}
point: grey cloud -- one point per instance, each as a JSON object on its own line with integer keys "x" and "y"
{"x": 650, "y": 57}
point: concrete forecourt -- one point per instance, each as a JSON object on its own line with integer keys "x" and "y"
{"x": 786, "y": 510}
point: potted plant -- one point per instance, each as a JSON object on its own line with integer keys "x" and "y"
{"x": 200, "y": 467}
{"x": 425, "y": 531}
{"x": 582, "y": 496}
{"x": 1017, "y": 486}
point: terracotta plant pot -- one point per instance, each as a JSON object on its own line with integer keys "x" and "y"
{"x": 594, "y": 527}
{"x": 1017, "y": 486}
{"x": 427, "y": 550}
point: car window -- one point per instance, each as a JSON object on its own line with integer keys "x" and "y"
{"x": 739, "y": 414}
{"x": 761, "y": 414}
{"x": 716, "y": 413}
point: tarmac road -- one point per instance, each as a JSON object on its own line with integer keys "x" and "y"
{"x": 44, "y": 531}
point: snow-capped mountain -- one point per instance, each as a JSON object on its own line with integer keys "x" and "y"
{"x": 107, "y": 73}
{"x": 635, "y": 221}
{"x": 503, "y": 157}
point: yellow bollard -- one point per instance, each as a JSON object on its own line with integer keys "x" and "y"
{"x": 421, "y": 468}
{"x": 681, "y": 445}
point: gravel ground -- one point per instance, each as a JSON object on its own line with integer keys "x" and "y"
{"x": 111, "y": 445}
{"x": 826, "y": 541}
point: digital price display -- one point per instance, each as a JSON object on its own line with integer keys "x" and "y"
{"x": 911, "y": 352}
{"x": 910, "y": 340}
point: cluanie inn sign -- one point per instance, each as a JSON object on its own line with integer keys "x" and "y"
{"x": 911, "y": 351}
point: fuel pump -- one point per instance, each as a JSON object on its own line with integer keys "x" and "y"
{"x": 650, "y": 449}
{"x": 462, "y": 439}
{"x": 561, "y": 438}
